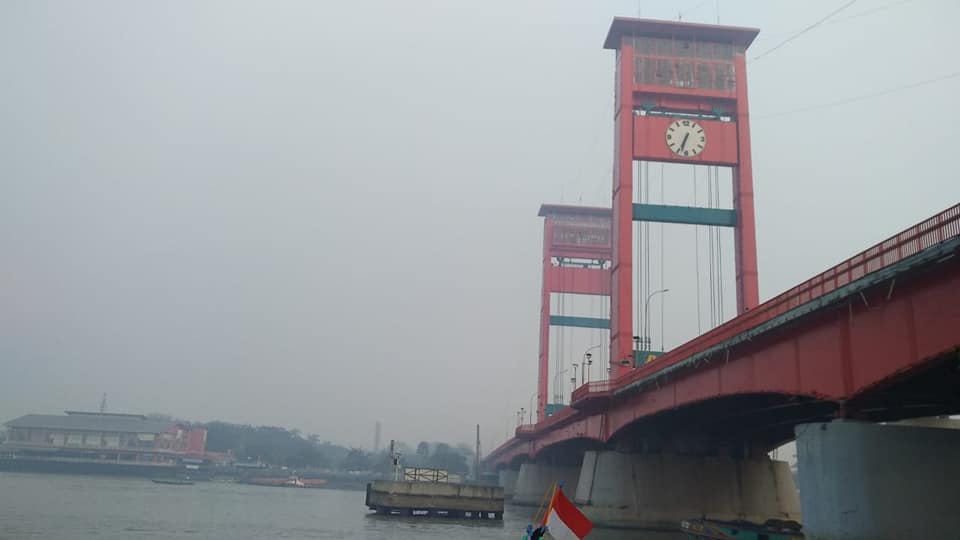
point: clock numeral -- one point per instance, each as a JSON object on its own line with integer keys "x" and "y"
{"x": 669, "y": 136}
{"x": 686, "y": 123}
{"x": 686, "y": 152}
{"x": 703, "y": 139}
{"x": 700, "y": 130}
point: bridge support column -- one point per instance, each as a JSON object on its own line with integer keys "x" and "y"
{"x": 536, "y": 478}
{"x": 658, "y": 491}
{"x": 878, "y": 482}
{"x": 508, "y": 481}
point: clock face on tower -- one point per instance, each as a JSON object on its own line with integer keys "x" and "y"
{"x": 686, "y": 138}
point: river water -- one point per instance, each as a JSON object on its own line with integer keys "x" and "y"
{"x": 104, "y": 508}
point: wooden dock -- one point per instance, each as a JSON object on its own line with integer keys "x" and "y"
{"x": 435, "y": 499}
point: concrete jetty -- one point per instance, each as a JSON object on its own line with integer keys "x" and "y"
{"x": 435, "y": 499}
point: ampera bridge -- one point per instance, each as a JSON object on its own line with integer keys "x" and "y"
{"x": 830, "y": 363}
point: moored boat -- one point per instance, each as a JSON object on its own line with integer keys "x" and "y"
{"x": 289, "y": 482}
{"x": 294, "y": 481}
{"x": 173, "y": 481}
{"x": 709, "y": 529}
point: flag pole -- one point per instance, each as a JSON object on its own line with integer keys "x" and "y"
{"x": 548, "y": 496}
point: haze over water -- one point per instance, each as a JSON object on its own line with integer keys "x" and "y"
{"x": 86, "y": 507}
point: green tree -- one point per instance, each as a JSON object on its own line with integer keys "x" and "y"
{"x": 274, "y": 445}
{"x": 423, "y": 449}
{"x": 445, "y": 457}
{"x": 356, "y": 460}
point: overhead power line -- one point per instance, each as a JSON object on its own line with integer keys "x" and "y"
{"x": 765, "y": 36}
{"x": 855, "y": 99}
{"x": 870, "y": 11}
{"x": 805, "y": 30}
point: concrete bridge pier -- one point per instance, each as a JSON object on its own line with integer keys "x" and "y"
{"x": 878, "y": 482}
{"x": 508, "y": 481}
{"x": 535, "y": 479}
{"x": 658, "y": 491}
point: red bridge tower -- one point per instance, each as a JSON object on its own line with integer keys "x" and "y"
{"x": 576, "y": 260}
{"x": 681, "y": 97}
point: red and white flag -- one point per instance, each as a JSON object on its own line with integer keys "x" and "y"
{"x": 564, "y": 521}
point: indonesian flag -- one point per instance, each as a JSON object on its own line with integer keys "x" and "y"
{"x": 564, "y": 521}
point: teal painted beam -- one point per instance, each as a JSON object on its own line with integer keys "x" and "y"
{"x": 579, "y": 322}
{"x": 689, "y": 215}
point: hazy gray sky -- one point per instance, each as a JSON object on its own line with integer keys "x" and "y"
{"x": 323, "y": 214}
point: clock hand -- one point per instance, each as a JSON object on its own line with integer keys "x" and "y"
{"x": 683, "y": 143}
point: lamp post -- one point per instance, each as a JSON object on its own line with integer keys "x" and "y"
{"x": 523, "y": 413}
{"x": 646, "y": 315}
{"x": 533, "y": 395}
{"x": 573, "y": 380}
{"x": 585, "y": 372}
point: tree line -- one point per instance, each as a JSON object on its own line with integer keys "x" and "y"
{"x": 288, "y": 447}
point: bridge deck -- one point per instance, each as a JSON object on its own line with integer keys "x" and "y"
{"x": 931, "y": 240}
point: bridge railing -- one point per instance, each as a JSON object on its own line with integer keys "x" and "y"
{"x": 593, "y": 387}
{"x": 556, "y": 417}
{"x": 941, "y": 227}
{"x": 928, "y": 233}
{"x": 525, "y": 429}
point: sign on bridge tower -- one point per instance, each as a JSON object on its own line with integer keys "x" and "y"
{"x": 681, "y": 97}
{"x": 576, "y": 260}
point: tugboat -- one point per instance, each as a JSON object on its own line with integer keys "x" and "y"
{"x": 709, "y": 529}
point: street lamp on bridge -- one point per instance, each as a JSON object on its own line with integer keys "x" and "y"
{"x": 586, "y": 371}
{"x": 646, "y": 317}
{"x": 533, "y": 395}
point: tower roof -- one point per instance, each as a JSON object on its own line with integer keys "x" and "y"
{"x": 572, "y": 210}
{"x": 621, "y": 26}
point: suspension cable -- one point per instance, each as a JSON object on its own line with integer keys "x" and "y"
{"x": 716, "y": 189}
{"x": 713, "y": 245}
{"x": 646, "y": 241}
{"x": 696, "y": 251}
{"x": 556, "y": 361}
{"x": 563, "y": 332}
{"x": 710, "y": 259}
{"x": 663, "y": 277}
{"x": 637, "y": 228}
